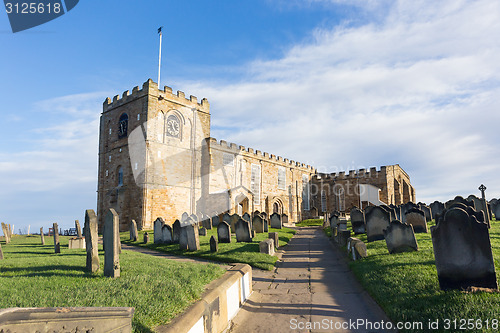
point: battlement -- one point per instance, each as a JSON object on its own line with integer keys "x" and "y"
{"x": 151, "y": 88}
{"x": 238, "y": 149}
{"x": 353, "y": 174}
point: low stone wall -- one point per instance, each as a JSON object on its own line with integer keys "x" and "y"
{"x": 105, "y": 319}
{"x": 218, "y": 306}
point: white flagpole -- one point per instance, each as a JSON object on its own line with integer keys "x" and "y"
{"x": 159, "y": 59}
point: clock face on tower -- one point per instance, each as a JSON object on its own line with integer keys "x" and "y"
{"x": 173, "y": 126}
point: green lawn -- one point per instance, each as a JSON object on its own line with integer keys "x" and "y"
{"x": 31, "y": 275}
{"x": 406, "y": 286}
{"x": 308, "y": 223}
{"x": 247, "y": 253}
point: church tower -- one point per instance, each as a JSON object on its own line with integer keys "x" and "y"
{"x": 152, "y": 154}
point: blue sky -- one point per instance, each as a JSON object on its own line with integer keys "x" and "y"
{"x": 334, "y": 83}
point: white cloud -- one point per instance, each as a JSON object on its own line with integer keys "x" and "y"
{"x": 421, "y": 88}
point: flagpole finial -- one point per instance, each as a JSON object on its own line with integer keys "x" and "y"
{"x": 159, "y": 29}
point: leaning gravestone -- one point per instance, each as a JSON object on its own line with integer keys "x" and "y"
{"x": 193, "y": 237}
{"x": 214, "y": 245}
{"x": 437, "y": 208}
{"x": 111, "y": 254}
{"x": 276, "y": 221}
{"x": 462, "y": 250}
{"x": 133, "y": 231}
{"x": 166, "y": 234}
{"x": 234, "y": 218}
{"x": 223, "y": 232}
{"x": 258, "y": 224}
{"x": 176, "y": 231}
{"x": 215, "y": 221}
{"x": 481, "y": 205}
{"x": 416, "y": 218}
{"x": 400, "y": 237}
{"x": 377, "y": 220}
{"x": 78, "y": 229}
{"x": 243, "y": 232}
{"x": 274, "y": 236}
{"x": 1, "y": 253}
{"x": 358, "y": 221}
{"x": 90, "y": 232}
{"x": 42, "y": 238}
{"x": 57, "y": 245}
{"x": 158, "y": 225}
{"x": 6, "y": 233}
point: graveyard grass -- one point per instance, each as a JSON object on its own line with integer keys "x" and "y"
{"x": 309, "y": 223}
{"x": 406, "y": 286}
{"x": 247, "y": 253}
{"x": 31, "y": 275}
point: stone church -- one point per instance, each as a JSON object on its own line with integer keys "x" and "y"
{"x": 157, "y": 159}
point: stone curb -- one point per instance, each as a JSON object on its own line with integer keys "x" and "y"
{"x": 219, "y": 304}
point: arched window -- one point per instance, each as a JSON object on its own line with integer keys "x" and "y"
{"x": 123, "y": 126}
{"x": 173, "y": 126}
{"x": 120, "y": 176}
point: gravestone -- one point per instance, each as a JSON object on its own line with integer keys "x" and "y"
{"x": 202, "y": 231}
{"x": 334, "y": 221}
{"x": 274, "y": 236}
{"x": 416, "y": 218}
{"x": 76, "y": 243}
{"x": 264, "y": 215}
{"x": 246, "y": 217}
{"x": 78, "y": 229}
{"x": 343, "y": 236}
{"x": 194, "y": 217}
{"x": 377, "y": 219}
{"x": 284, "y": 218}
{"x": 437, "y": 208}
{"x": 234, "y": 218}
{"x": 342, "y": 225}
{"x": 266, "y": 224}
{"x": 184, "y": 217}
{"x": 496, "y": 210}
{"x": 214, "y": 245}
{"x": 111, "y": 236}
{"x": 57, "y": 245}
{"x": 166, "y": 234}
{"x": 258, "y": 224}
{"x": 176, "y": 231}
{"x": 226, "y": 218}
{"x": 1, "y": 252}
{"x": 427, "y": 212}
{"x": 356, "y": 248}
{"x": 193, "y": 237}
{"x": 481, "y": 205}
{"x": 42, "y": 238}
{"x": 223, "y": 232}
{"x": 313, "y": 212}
{"x": 183, "y": 238}
{"x": 158, "y": 225}
{"x": 207, "y": 223}
{"x": 145, "y": 239}
{"x": 91, "y": 245}
{"x": 6, "y": 233}
{"x": 133, "y": 231}
{"x": 358, "y": 221}
{"x": 267, "y": 247}
{"x": 242, "y": 230}
{"x": 215, "y": 221}
{"x": 462, "y": 250}
{"x": 276, "y": 221}
{"x": 400, "y": 237}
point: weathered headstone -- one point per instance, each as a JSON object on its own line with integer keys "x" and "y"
{"x": 266, "y": 223}
{"x": 416, "y": 218}
{"x": 358, "y": 221}
{"x": 427, "y": 212}
{"x": 76, "y": 243}
{"x": 194, "y": 217}
{"x": 342, "y": 225}
{"x": 284, "y": 218}
{"x": 193, "y": 237}
{"x": 334, "y": 221}
{"x": 111, "y": 254}
{"x": 214, "y": 245}
{"x": 42, "y": 237}
{"x": 166, "y": 234}
{"x": 276, "y": 221}
{"x": 242, "y": 230}
{"x": 246, "y": 217}
{"x": 158, "y": 225}
{"x": 462, "y": 250}
{"x": 145, "y": 239}
{"x": 207, "y": 223}
{"x": 226, "y": 218}
{"x": 234, "y": 218}
{"x": 1, "y": 252}
{"x": 481, "y": 205}
{"x": 183, "y": 238}
{"x": 400, "y": 237}
{"x": 90, "y": 232}
{"x": 356, "y": 248}
{"x": 133, "y": 231}
{"x": 496, "y": 211}
{"x": 202, "y": 231}
{"x": 258, "y": 224}
{"x": 215, "y": 221}
{"x": 57, "y": 245}
{"x": 437, "y": 208}
{"x": 176, "y": 231}
{"x": 313, "y": 212}
{"x": 184, "y": 217}
{"x": 343, "y": 236}
{"x": 267, "y": 247}
{"x": 78, "y": 229}
{"x": 6, "y": 233}
{"x": 224, "y": 232}
{"x": 377, "y": 219}
{"x": 274, "y": 236}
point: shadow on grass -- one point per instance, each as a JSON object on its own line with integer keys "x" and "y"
{"x": 49, "y": 270}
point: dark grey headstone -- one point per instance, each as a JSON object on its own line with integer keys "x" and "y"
{"x": 224, "y": 232}
{"x": 343, "y": 236}
{"x": 242, "y": 230}
{"x": 111, "y": 237}
{"x": 214, "y": 245}
{"x": 183, "y": 239}
{"x": 57, "y": 244}
{"x": 158, "y": 225}
{"x": 207, "y": 223}
{"x": 358, "y": 221}
{"x": 246, "y": 217}
{"x": 91, "y": 238}
{"x": 462, "y": 250}
{"x": 436, "y": 208}
{"x": 215, "y": 221}
{"x": 226, "y": 218}
{"x": 400, "y": 237}
{"x": 377, "y": 219}
{"x": 258, "y": 224}
{"x": 176, "y": 231}
{"x": 416, "y": 218}
{"x": 276, "y": 221}
{"x": 234, "y": 218}
{"x": 166, "y": 234}
{"x": 146, "y": 238}
{"x": 427, "y": 212}
{"x": 202, "y": 231}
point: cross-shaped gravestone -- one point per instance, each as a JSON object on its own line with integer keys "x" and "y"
{"x": 482, "y": 188}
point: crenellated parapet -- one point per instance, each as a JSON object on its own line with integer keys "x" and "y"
{"x": 238, "y": 149}
{"x": 352, "y": 174}
{"x": 150, "y": 88}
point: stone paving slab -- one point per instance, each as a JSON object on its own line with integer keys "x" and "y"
{"x": 310, "y": 284}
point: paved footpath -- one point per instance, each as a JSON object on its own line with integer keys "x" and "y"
{"x": 311, "y": 283}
